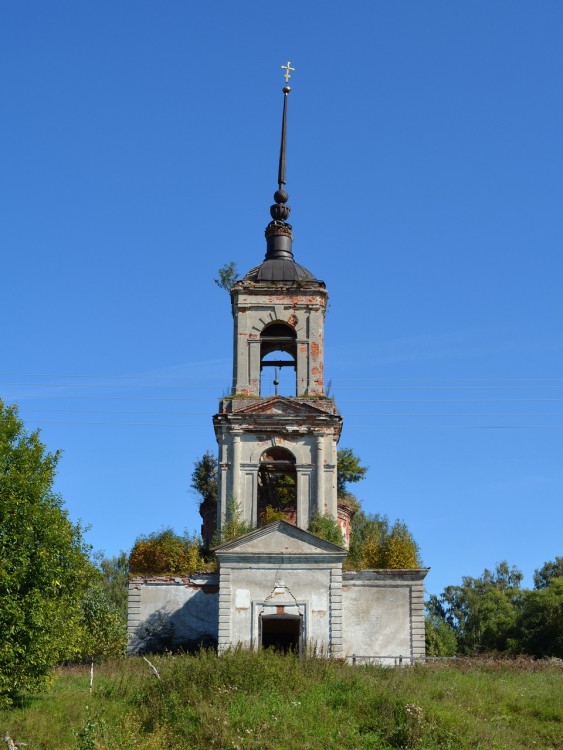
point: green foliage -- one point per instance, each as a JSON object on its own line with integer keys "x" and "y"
{"x": 264, "y": 701}
{"x": 166, "y": 553}
{"x": 279, "y": 491}
{"x": 114, "y": 579}
{"x": 326, "y": 527}
{"x": 368, "y": 532}
{"x": 492, "y": 613}
{"x": 228, "y": 275}
{"x": 350, "y": 501}
{"x": 205, "y": 477}
{"x": 44, "y": 565}
{"x": 348, "y": 470}
{"x": 399, "y": 550}
{"x": 482, "y": 611}
{"x": 549, "y": 570}
{"x": 539, "y": 623}
{"x": 271, "y": 515}
{"x": 374, "y": 544}
{"x": 103, "y": 629}
{"x": 440, "y": 637}
{"x": 234, "y": 527}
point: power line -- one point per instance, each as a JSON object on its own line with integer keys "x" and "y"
{"x": 339, "y": 401}
{"x": 347, "y": 415}
{"x": 148, "y": 386}
{"x": 203, "y": 377}
{"x": 352, "y": 427}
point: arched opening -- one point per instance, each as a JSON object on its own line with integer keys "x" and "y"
{"x": 278, "y": 360}
{"x": 277, "y": 486}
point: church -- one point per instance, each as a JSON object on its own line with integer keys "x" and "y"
{"x": 280, "y": 585}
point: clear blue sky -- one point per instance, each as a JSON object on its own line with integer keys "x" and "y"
{"x": 138, "y": 154}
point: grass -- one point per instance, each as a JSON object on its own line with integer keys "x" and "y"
{"x": 261, "y": 701}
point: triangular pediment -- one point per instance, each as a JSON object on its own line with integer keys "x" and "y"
{"x": 280, "y": 538}
{"x": 282, "y": 406}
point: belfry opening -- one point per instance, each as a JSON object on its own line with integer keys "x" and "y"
{"x": 278, "y": 357}
{"x": 277, "y": 484}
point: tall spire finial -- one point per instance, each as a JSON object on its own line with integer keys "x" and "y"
{"x": 281, "y": 168}
{"x": 278, "y": 231}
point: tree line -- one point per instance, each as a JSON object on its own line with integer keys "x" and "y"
{"x": 493, "y": 613}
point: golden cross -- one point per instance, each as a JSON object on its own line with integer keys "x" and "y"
{"x": 287, "y": 68}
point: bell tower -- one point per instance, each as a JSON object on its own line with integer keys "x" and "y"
{"x": 278, "y": 453}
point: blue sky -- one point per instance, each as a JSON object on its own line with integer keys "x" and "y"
{"x": 139, "y": 153}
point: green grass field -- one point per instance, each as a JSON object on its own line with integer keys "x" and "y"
{"x": 262, "y": 701}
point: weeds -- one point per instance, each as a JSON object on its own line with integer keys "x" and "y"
{"x": 263, "y": 701}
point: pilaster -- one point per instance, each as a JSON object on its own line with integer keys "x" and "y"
{"x": 225, "y": 598}
{"x": 335, "y": 594}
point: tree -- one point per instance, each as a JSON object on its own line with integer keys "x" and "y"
{"x": 166, "y": 553}
{"x": 349, "y": 470}
{"x": 482, "y": 611}
{"x": 114, "y": 577}
{"x": 44, "y": 564}
{"x": 102, "y": 625}
{"x": 366, "y": 539}
{"x": 539, "y": 624}
{"x": 228, "y": 275}
{"x": 374, "y": 544}
{"x": 399, "y": 550}
{"x": 440, "y": 637}
{"x": 549, "y": 570}
{"x": 204, "y": 478}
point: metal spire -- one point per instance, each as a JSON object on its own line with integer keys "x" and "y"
{"x": 281, "y": 168}
{"x": 279, "y": 264}
{"x": 278, "y": 231}
{"x": 286, "y": 89}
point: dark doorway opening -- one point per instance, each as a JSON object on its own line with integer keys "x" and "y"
{"x": 282, "y": 633}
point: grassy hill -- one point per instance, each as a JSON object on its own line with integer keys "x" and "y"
{"x": 262, "y": 701}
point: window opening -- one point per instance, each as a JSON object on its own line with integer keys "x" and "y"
{"x": 278, "y": 360}
{"x": 277, "y": 486}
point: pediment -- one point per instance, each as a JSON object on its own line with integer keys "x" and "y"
{"x": 280, "y": 538}
{"x": 282, "y": 406}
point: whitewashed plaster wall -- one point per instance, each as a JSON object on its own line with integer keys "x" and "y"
{"x": 190, "y": 606}
{"x": 383, "y": 614}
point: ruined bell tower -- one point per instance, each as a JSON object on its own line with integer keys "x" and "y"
{"x": 278, "y": 452}
{"x": 280, "y": 585}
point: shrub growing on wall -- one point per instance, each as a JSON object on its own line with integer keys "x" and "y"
{"x": 374, "y": 543}
{"x": 326, "y": 528}
{"x": 166, "y": 553}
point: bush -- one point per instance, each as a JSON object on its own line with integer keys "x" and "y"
{"x": 374, "y": 544}
{"x": 327, "y": 528}
{"x": 166, "y": 553}
{"x": 440, "y": 637}
{"x": 234, "y": 527}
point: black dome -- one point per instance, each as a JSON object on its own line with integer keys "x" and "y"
{"x": 279, "y": 269}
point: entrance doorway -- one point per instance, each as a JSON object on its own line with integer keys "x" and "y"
{"x": 283, "y": 633}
